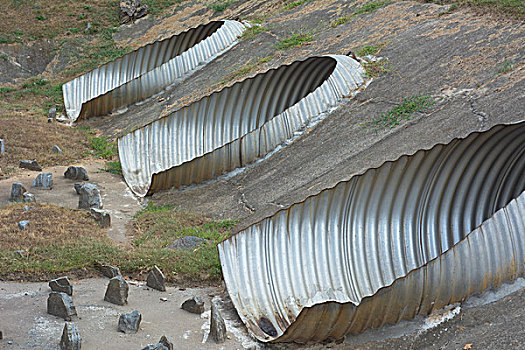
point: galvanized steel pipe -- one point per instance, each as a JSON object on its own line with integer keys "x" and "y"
{"x": 147, "y": 71}
{"x": 415, "y": 234}
{"x": 236, "y": 126}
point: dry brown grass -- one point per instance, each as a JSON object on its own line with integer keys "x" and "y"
{"x": 30, "y": 136}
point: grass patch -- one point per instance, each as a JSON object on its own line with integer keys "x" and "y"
{"x": 103, "y": 147}
{"x": 246, "y": 69}
{"x": 293, "y": 4}
{"x": 509, "y": 8}
{"x": 370, "y": 49}
{"x": 376, "y": 69}
{"x": 506, "y": 67}
{"x": 158, "y": 7}
{"x": 408, "y": 109}
{"x": 297, "y": 39}
{"x": 339, "y": 21}
{"x": 59, "y": 240}
{"x": 220, "y": 6}
{"x": 253, "y": 31}
{"x": 372, "y": 6}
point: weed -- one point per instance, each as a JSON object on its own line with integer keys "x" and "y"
{"x": 372, "y": 6}
{"x": 220, "y": 6}
{"x": 339, "y": 21}
{"x": 294, "y": 40}
{"x": 157, "y": 7}
{"x": 370, "y": 49}
{"x": 6, "y": 90}
{"x": 376, "y": 69}
{"x": 406, "y": 110}
{"x": 103, "y": 147}
{"x": 244, "y": 70}
{"x": 41, "y": 18}
{"x": 506, "y": 67}
{"x": 450, "y": 9}
{"x": 113, "y": 167}
{"x": 253, "y": 31}
{"x": 293, "y": 4}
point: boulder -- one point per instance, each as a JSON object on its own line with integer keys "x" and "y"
{"x": 217, "y": 325}
{"x": 30, "y": 164}
{"x": 129, "y": 323}
{"x": 17, "y": 192}
{"x": 193, "y": 305}
{"x": 61, "y": 305}
{"x": 101, "y": 216}
{"x": 117, "y": 291}
{"x": 89, "y": 197}
{"x": 29, "y": 198}
{"x": 76, "y": 173}
{"x": 109, "y": 271}
{"x": 158, "y": 346}
{"x": 131, "y": 10}
{"x": 156, "y": 279}
{"x": 187, "y": 242}
{"x": 44, "y": 181}
{"x": 71, "y": 339}
{"x": 166, "y": 342}
{"x": 61, "y": 284}
{"x": 77, "y": 187}
{"x": 23, "y": 224}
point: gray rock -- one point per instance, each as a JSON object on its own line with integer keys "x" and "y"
{"x": 29, "y": 198}
{"x": 156, "y": 279}
{"x": 61, "y": 305}
{"x": 158, "y": 346}
{"x": 217, "y": 325}
{"x": 52, "y": 114}
{"x": 132, "y": 9}
{"x": 129, "y": 323}
{"x": 193, "y": 305}
{"x": 23, "y": 224}
{"x": 117, "y": 291}
{"x": 77, "y": 187}
{"x": 2, "y": 146}
{"x": 61, "y": 284}
{"x": 166, "y": 342}
{"x": 71, "y": 339}
{"x": 44, "y": 181}
{"x": 89, "y": 197}
{"x": 30, "y": 164}
{"x": 50, "y": 120}
{"x": 17, "y": 192}
{"x": 57, "y": 149}
{"x": 101, "y": 216}
{"x": 28, "y": 208}
{"x": 188, "y": 242}
{"x": 109, "y": 271}
{"x": 76, "y": 173}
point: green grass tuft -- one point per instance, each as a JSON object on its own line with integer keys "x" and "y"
{"x": 220, "y": 6}
{"x": 406, "y": 110}
{"x": 339, "y": 21}
{"x": 372, "y": 6}
{"x": 297, "y": 39}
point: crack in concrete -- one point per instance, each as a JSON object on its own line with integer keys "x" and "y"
{"x": 482, "y": 116}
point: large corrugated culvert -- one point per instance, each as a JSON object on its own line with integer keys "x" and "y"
{"x": 148, "y": 70}
{"x": 235, "y": 126}
{"x": 413, "y": 235}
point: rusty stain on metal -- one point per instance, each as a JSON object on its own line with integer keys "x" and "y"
{"x": 147, "y": 70}
{"x": 235, "y": 126}
{"x": 415, "y": 234}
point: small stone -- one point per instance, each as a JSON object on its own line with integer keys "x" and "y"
{"x": 217, "y": 325}
{"x": 17, "y": 192}
{"x": 2, "y": 146}
{"x": 29, "y": 198}
{"x": 88, "y": 28}
{"x": 117, "y": 291}
{"x": 57, "y": 149}
{"x": 52, "y": 113}
{"x": 1, "y": 335}
{"x": 89, "y": 197}
{"x": 193, "y": 305}
{"x": 77, "y": 187}
{"x": 19, "y": 252}
{"x": 101, "y": 216}
{"x": 28, "y": 208}
{"x": 166, "y": 342}
{"x": 129, "y": 323}
{"x": 23, "y": 224}
{"x": 76, "y": 173}
{"x": 30, "y": 164}
{"x": 164, "y": 299}
{"x": 61, "y": 305}
{"x": 71, "y": 339}
{"x": 156, "y": 279}
{"x": 158, "y": 346}
{"x": 110, "y": 271}
{"x": 187, "y": 242}
{"x": 44, "y": 181}
{"x": 50, "y": 120}
{"x": 10, "y": 342}
{"x": 61, "y": 284}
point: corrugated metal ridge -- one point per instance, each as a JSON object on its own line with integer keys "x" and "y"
{"x": 235, "y": 126}
{"x": 147, "y": 70}
{"x": 348, "y": 242}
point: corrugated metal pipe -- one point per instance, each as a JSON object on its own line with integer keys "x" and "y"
{"x": 413, "y": 235}
{"x": 235, "y": 126}
{"x": 148, "y": 70}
